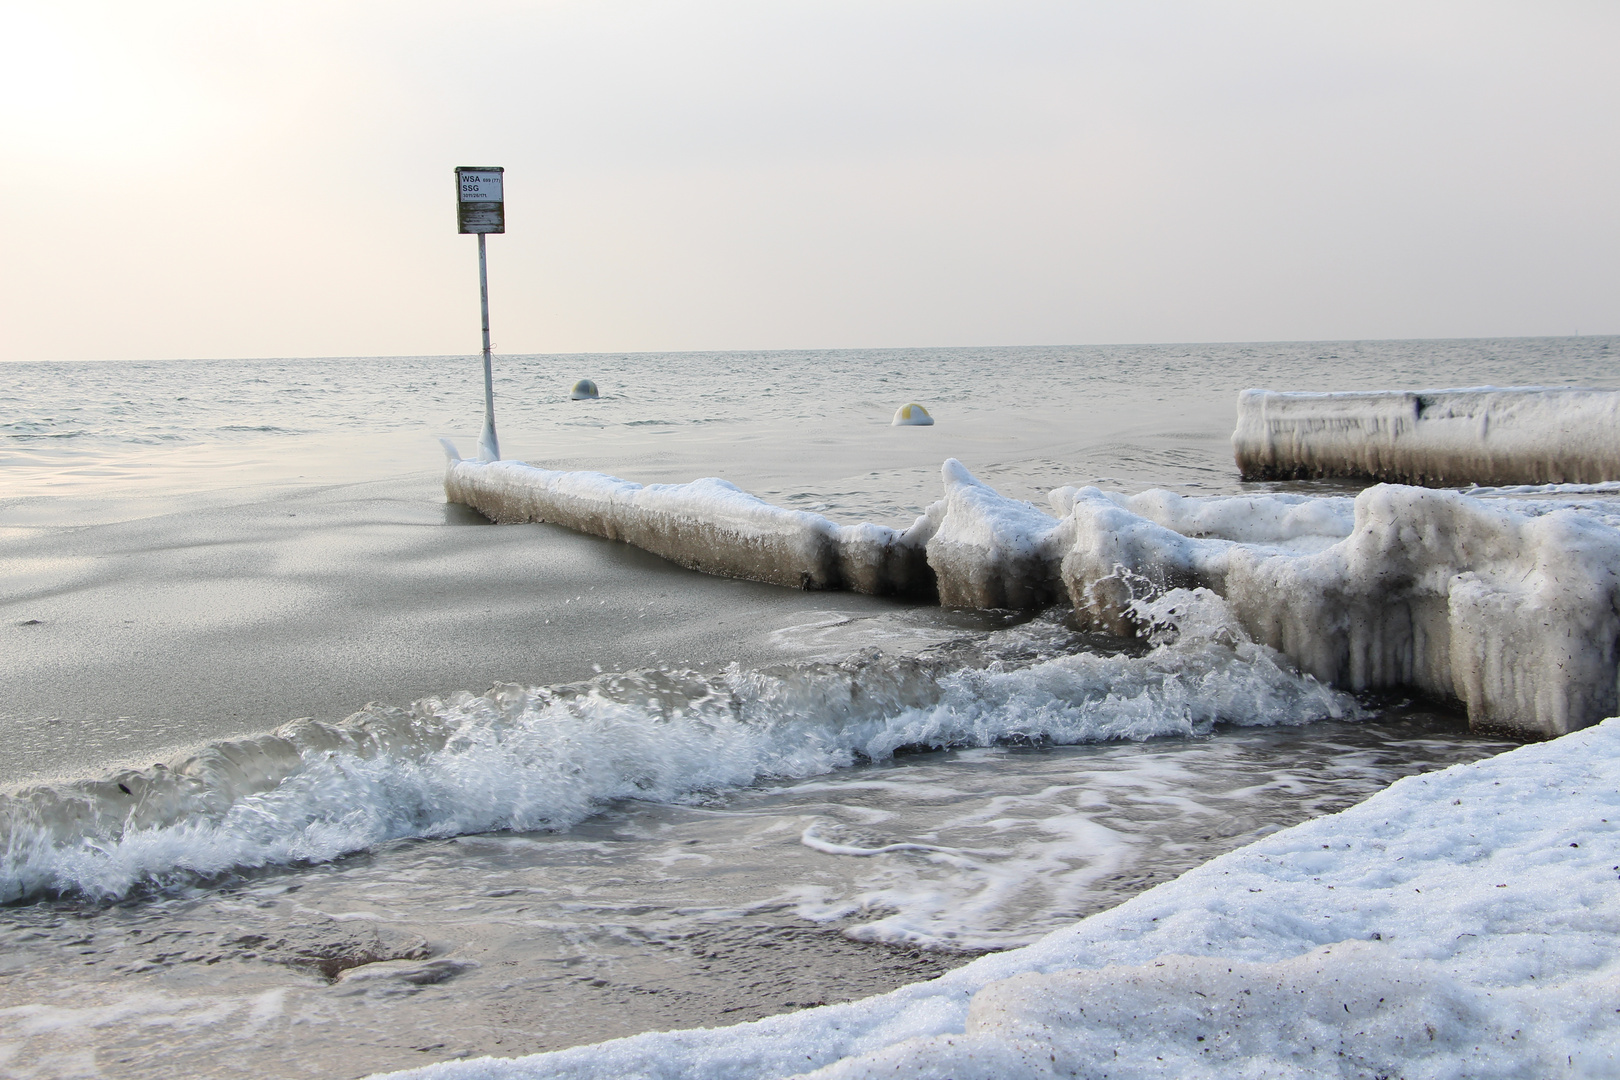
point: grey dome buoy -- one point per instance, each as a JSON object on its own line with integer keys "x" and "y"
{"x": 911, "y": 415}
{"x": 585, "y": 390}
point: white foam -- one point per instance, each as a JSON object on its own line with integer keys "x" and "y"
{"x": 545, "y": 758}
{"x": 1485, "y": 435}
{"x": 1456, "y": 925}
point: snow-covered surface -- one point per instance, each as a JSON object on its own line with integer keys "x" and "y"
{"x": 1457, "y": 924}
{"x": 1509, "y": 604}
{"x": 1487, "y": 435}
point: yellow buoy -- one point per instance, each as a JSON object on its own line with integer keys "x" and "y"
{"x": 912, "y": 415}
{"x": 584, "y": 390}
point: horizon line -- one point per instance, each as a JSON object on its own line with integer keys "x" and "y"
{"x": 812, "y": 349}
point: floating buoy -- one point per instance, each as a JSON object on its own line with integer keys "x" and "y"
{"x": 912, "y": 415}
{"x": 585, "y": 390}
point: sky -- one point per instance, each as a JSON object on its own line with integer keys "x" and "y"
{"x": 234, "y": 178}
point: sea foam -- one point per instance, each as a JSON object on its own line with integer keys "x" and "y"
{"x": 527, "y": 758}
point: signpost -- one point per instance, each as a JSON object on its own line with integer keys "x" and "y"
{"x": 481, "y": 209}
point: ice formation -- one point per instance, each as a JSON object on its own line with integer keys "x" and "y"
{"x": 1511, "y": 608}
{"x": 989, "y": 551}
{"x": 1517, "y": 617}
{"x": 1441, "y": 437}
{"x": 1457, "y": 924}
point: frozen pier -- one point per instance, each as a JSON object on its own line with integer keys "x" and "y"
{"x": 1435, "y": 438}
{"x": 1512, "y": 609}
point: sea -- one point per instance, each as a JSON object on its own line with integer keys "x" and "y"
{"x": 306, "y": 773}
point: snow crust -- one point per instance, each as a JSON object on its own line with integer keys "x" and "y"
{"x": 1455, "y": 925}
{"x": 1524, "y": 435}
{"x": 1509, "y": 605}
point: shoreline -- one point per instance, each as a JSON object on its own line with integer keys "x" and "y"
{"x": 1342, "y": 921}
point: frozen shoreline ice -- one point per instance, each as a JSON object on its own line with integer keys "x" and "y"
{"x": 1456, "y": 924}
{"x": 1511, "y": 609}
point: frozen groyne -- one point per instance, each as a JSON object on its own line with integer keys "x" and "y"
{"x": 1455, "y": 925}
{"x": 709, "y": 525}
{"x": 1437, "y": 438}
{"x": 1512, "y": 610}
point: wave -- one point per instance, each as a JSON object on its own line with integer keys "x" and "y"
{"x": 538, "y": 758}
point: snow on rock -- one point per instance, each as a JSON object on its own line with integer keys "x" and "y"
{"x": 708, "y": 525}
{"x": 1439, "y": 437}
{"x": 1459, "y": 924}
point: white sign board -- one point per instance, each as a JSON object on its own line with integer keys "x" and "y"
{"x": 480, "y": 186}
{"x": 480, "y": 203}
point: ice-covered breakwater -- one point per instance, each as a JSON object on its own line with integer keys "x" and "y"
{"x": 1438, "y": 437}
{"x": 1512, "y": 611}
{"x": 709, "y": 525}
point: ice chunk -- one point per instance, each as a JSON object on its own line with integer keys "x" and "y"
{"x": 1527, "y": 435}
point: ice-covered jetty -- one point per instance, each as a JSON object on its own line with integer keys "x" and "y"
{"x": 1511, "y": 609}
{"x": 1526, "y": 435}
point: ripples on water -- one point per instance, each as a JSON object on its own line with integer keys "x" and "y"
{"x": 808, "y": 429}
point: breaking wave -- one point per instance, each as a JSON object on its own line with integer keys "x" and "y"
{"x": 527, "y": 758}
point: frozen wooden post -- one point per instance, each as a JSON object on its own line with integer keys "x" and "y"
{"x": 481, "y": 209}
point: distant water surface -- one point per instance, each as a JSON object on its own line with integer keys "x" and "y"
{"x": 808, "y": 428}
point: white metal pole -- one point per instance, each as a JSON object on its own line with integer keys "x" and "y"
{"x": 488, "y": 447}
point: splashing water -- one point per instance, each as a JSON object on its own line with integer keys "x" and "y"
{"x": 533, "y": 758}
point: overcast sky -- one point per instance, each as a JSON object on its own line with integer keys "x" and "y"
{"x": 227, "y": 178}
